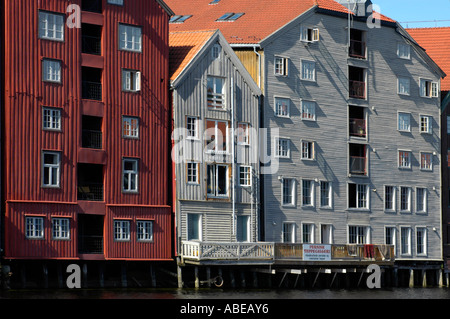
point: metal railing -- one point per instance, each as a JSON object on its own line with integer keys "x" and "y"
{"x": 92, "y": 90}
{"x": 91, "y": 45}
{"x": 357, "y": 89}
{"x": 90, "y": 244}
{"x": 357, "y": 127}
{"x": 91, "y": 139}
{"x": 90, "y": 191}
{"x": 358, "y": 165}
{"x": 357, "y": 49}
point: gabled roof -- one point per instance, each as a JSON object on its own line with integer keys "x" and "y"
{"x": 260, "y": 18}
{"x": 436, "y": 42}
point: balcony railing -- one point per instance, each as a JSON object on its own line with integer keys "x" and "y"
{"x": 91, "y": 45}
{"x": 358, "y": 165}
{"x": 227, "y": 251}
{"x": 92, "y": 90}
{"x": 357, "y": 49}
{"x": 91, "y": 139}
{"x": 357, "y": 127}
{"x": 90, "y": 245}
{"x": 90, "y": 191}
{"x": 357, "y": 89}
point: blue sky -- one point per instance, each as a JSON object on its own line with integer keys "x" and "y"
{"x": 417, "y": 10}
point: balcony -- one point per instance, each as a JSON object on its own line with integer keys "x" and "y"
{"x": 357, "y": 127}
{"x": 358, "y": 165}
{"x": 90, "y": 234}
{"x": 90, "y": 191}
{"x": 91, "y": 83}
{"x": 357, "y": 49}
{"x": 92, "y": 6}
{"x": 357, "y": 89}
{"x": 90, "y": 182}
{"x": 91, "y": 245}
{"x": 91, "y": 36}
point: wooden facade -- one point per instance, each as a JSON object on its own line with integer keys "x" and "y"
{"x": 90, "y": 101}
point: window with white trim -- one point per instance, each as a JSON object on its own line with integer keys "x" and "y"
{"x": 283, "y": 148}
{"x": 51, "y": 26}
{"x": 131, "y": 80}
{"x": 404, "y": 85}
{"x": 34, "y": 227}
{"x": 429, "y": 88}
{"x": 358, "y": 235}
{"x": 389, "y": 198}
{"x": 243, "y": 228}
{"x": 288, "y": 192}
{"x": 308, "y": 34}
{"x": 121, "y": 230}
{"x": 421, "y": 241}
{"x": 242, "y": 134}
{"x": 215, "y": 88}
{"x": 194, "y": 227}
{"x": 192, "y": 172}
{"x": 117, "y": 2}
{"x": 404, "y": 159}
{"x": 245, "y": 175}
{"x": 130, "y": 38}
{"x": 426, "y": 161}
{"x": 325, "y": 194}
{"x": 358, "y": 196}
{"x": 130, "y": 175}
{"x": 288, "y": 232}
{"x": 216, "y": 136}
{"x": 390, "y": 233}
{"x": 421, "y": 200}
{"x": 307, "y": 233}
{"x": 425, "y": 124}
{"x": 51, "y": 70}
{"x": 404, "y": 122}
{"x": 282, "y": 107}
{"x": 281, "y": 66}
{"x": 308, "y": 70}
{"x": 307, "y": 192}
{"x": 404, "y": 51}
{"x": 217, "y": 180}
{"x": 308, "y": 110}
{"x": 51, "y": 163}
{"x": 192, "y": 127}
{"x": 405, "y": 240}
{"x": 61, "y": 228}
{"x": 307, "y": 150}
{"x": 130, "y": 127}
{"x": 51, "y": 118}
{"x": 144, "y": 230}
{"x": 405, "y": 199}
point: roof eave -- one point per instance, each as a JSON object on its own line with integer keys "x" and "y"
{"x": 165, "y": 7}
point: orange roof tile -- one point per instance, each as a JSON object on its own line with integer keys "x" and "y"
{"x": 436, "y": 42}
{"x": 261, "y": 18}
{"x": 183, "y": 47}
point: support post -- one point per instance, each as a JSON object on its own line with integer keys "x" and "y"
{"x": 197, "y": 280}
{"x": 60, "y": 276}
{"x": 153, "y": 276}
{"x": 208, "y": 277}
{"x": 123, "y": 269}
{"x": 179, "y": 276}
{"x": 101, "y": 275}
{"x": 424, "y": 278}
{"x": 411, "y": 278}
{"x": 45, "y": 274}
{"x": 84, "y": 276}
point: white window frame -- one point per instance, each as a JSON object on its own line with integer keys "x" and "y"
{"x": 131, "y": 80}
{"x": 407, "y": 244}
{"x": 308, "y": 233}
{"x": 216, "y": 143}
{"x": 122, "y": 230}
{"x": 282, "y": 147}
{"x": 404, "y": 51}
{"x": 326, "y": 233}
{"x": 215, "y": 51}
{"x": 130, "y": 174}
{"x": 282, "y": 107}
{"x": 51, "y": 168}
{"x": 404, "y": 159}
{"x": 308, "y": 110}
{"x": 309, "y": 34}
{"x": 403, "y": 85}
{"x": 130, "y": 127}
{"x": 130, "y": 37}
{"x": 404, "y": 122}
{"x": 51, "y": 70}
{"x": 328, "y": 198}
{"x": 308, "y": 194}
{"x": 192, "y": 172}
{"x": 308, "y": 150}
{"x": 192, "y": 123}
{"x": 426, "y": 165}
{"x": 61, "y": 228}
{"x": 216, "y": 194}
{"x": 34, "y": 227}
{"x": 359, "y": 198}
{"x": 288, "y": 232}
{"x": 288, "y": 186}
{"x": 216, "y": 99}
{"x": 51, "y": 26}
{"x": 144, "y": 230}
{"x": 426, "y": 124}
{"x": 51, "y": 118}
{"x": 116, "y": 2}
{"x": 243, "y": 222}
{"x": 421, "y": 198}
{"x": 402, "y": 201}
{"x": 199, "y": 225}
{"x": 243, "y": 133}
{"x": 307, "y": 74}
{"x": 245, "y": 175}
{"x": 393, "y": 199}
{"x": 361, "y": 236}
{"x": 428, "y": 85}
{"x": 281, "y": 66}
{"x": 424, "y": 245}
{"x": 393, "y": 236}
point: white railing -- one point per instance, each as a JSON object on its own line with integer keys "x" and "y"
{"x": 227, "y": 251}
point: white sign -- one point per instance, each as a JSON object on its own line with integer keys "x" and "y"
{"x": 316, "y": 252}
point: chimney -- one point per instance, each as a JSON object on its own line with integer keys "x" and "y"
{"x": 359, "y": 7}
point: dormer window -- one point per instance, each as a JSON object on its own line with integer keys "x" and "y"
{"x": 230, "y": 16}
{"x": 214, "y": 2}
{"x": 179, "y": 18}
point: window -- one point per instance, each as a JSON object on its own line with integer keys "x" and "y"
{"x": 283, "y": 148}
{"x": 404, "y": 86}
{"x": 282, "y": 107}
{"x": 245, "y": 175}
{"x": 404, "y": 122}
{"x": 144, "y": 230}
{"x": 50, "y": 169}
{"x": 194, "y": 227}
{"x": 389, "y": 198}
{"x": 51, "y": 118}
{"x": 307, "y": 193}
{"x": 405, "y": 240}
{"x": 404, "y": 159}
{"x": 308, "y": 233}
{"x": 216, "y": 136}
{"x": 129, "y": 175}
{"x": 308, "y": 70}
{"x": 358, "y": 235}
{"x": 121, "y": 230}
{"x": 309, "y": 34}
{"x": 421, "y": 200}
{"x": 426, "y": 161}
{"x": 192, "y": 127}
{"x": 425, "y": 124}
{"x": 243, "y": 228}
{"x": 389, "y": 236}
{"x": 325, "y": 194}
{"x": 405, "y": 199}
{"x": 307, "y": 150}
{"x": 118, "y": 2}
{"x": 192, "y": 172}
{"x": 215, "y": 51}
{"x": 61, "y": 228}
{"x": 179, "y": 18}
{"x": 34, "y": 227}
{"x": 308, "y": 110}
{"x": 217, "y": 180}
{"x": 404, "y": 51}
{"x": 51, "y": 26}
{"x": 358, "y": 196}
{"x": 242, "y": 133}
{"x": 281, "y": 66}
{"x": 215, "y": 92}
{"x": 326, "y": 234}
{"x": 51, "y": 70}
{"x": 288, "y": 234}
{"x": 130, "y": 127}
{"x": 421, "y": 241}
{"x": 130, "y": 38}
{"x": 230, "y": 17}
{"x": 288, "y": 192}
{"x": 131, "y": 80}
{"x": 429, "y": 88}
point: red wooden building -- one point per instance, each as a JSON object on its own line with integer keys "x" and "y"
{"x": 86, "y": 130}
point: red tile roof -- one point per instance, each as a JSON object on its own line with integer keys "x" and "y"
{"x": 260, "y": 19}
{"x": 436, "y": 42}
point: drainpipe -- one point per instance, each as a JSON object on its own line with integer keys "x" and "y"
{"x": 259, "y": 66}
{"x": 233, "y": 160}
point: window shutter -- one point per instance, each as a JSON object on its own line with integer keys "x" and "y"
{"x": 434, "y": 89}
{"x": 315, "y": 35}
{"x": 138, "y": 81}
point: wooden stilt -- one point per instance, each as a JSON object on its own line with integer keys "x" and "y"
{"x": 208, "y": 277}
{"x": 45, "y": 274}
{"x": 85, "y": 276}
{"x": 197, "y": 280}
{"x": 60, "y": 276}
{"x": 411, "y": 278}
{"x": 123, "y": 269}
{"x": 101, "y": 275}
{"x": 179, "y": 276}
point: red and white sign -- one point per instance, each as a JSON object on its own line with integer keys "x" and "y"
{"x": 316, "y": 252}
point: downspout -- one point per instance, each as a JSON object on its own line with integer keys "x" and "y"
{"x": 259, "y": 66}
{"x": 256, "y": 212}
{"x": 233, "y": 160}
